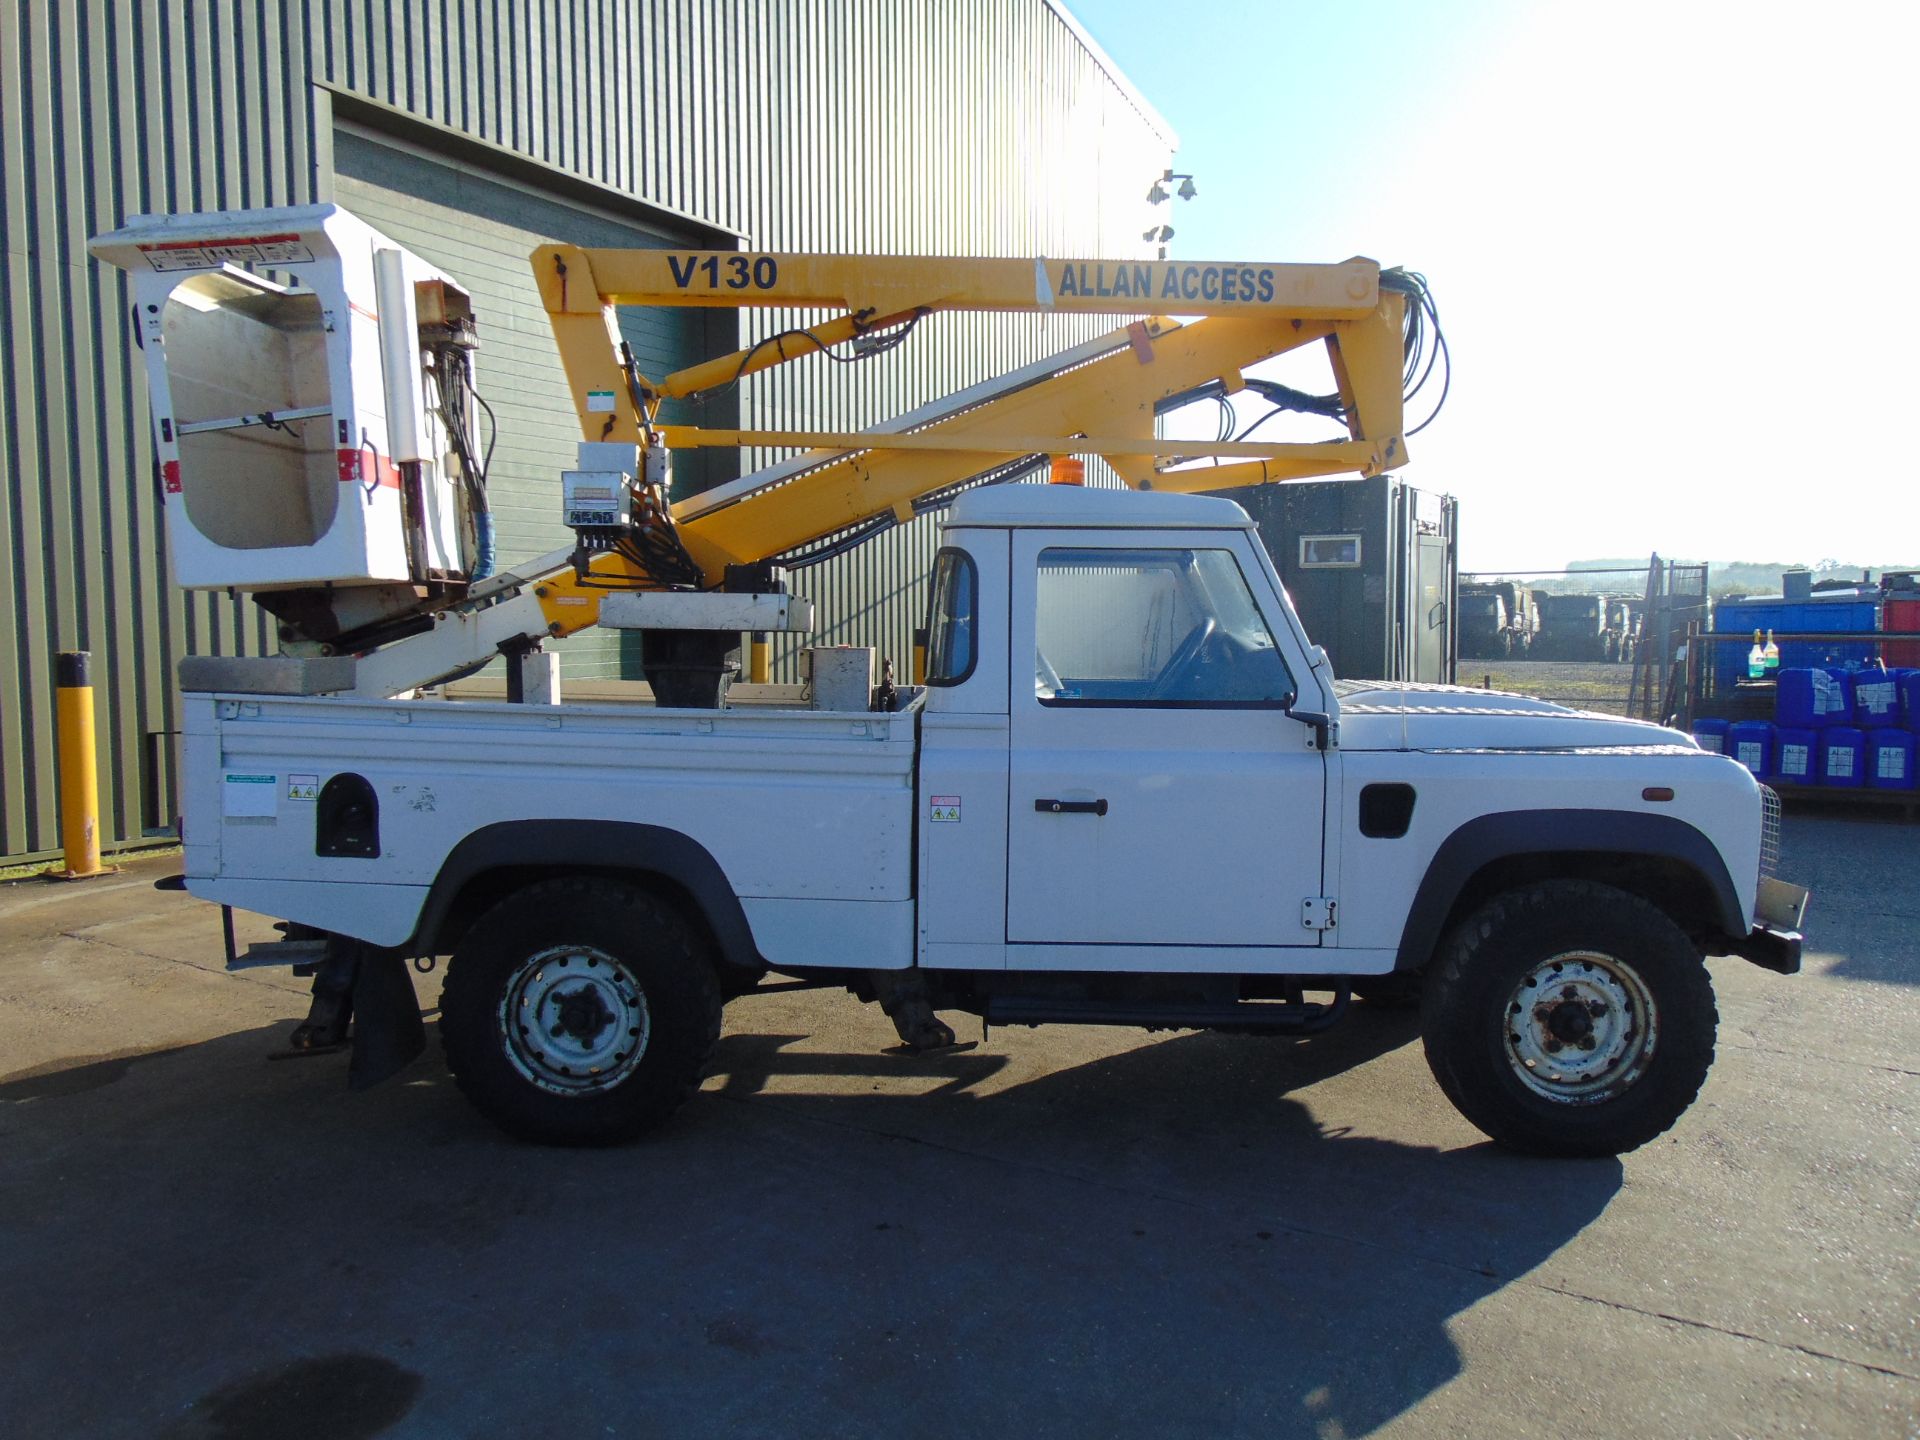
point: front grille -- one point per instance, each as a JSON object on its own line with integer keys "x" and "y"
{"x": 1769, "y": 831}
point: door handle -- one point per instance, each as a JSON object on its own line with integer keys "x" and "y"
{"x": 1071, "y": 807}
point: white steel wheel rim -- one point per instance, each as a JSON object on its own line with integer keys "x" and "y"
{"x": 574, "y": 1020}
{"x": 1580, "y": 1028}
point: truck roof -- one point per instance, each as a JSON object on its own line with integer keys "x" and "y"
{"x": 1077, "y": 506}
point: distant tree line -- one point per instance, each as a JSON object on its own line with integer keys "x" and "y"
{"x": 1726, "y": 578}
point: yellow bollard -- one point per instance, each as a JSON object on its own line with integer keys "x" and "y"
{"x": 79, "y": 782}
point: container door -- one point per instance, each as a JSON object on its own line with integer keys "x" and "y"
{"x": 1432, "y": 617}
{"x": 1159, "y": 794}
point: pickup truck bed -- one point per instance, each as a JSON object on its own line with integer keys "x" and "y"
{"x": 807, "y": 814}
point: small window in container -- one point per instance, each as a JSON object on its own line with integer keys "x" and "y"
{"x": 1329, "y": 552}
{"x": 951, "y": 639}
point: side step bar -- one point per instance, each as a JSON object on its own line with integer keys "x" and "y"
{"x": 1264, "y": 1017}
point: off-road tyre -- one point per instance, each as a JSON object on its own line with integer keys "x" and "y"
{"x": 642, "y": 976}
{"x": 1479, "y": 1027}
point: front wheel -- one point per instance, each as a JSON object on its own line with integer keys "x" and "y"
{"x": 579, "y": 1012}
{"x": 1569, "y": 1018}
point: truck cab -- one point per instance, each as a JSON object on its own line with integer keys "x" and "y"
{"x": 1122, "y": 717}
{"x": 1486, "y": 630}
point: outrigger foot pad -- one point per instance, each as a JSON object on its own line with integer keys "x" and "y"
{"x": 358, "y": 980}
{"x": 903, "y": 995}
{"x": 325, "y": 1028}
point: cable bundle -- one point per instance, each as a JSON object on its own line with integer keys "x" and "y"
{"x": 453, "y": 384}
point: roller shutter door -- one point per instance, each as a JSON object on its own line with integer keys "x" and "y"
{"x": 481, "y": 229}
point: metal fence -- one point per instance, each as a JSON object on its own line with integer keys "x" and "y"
{"x": 1610, "y": 639}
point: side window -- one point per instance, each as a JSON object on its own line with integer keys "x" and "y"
{"x": 1152, "y": 628}
{"x": 951, "y": 648}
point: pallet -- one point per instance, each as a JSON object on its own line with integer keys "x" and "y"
{"x": 1907, "y": 802}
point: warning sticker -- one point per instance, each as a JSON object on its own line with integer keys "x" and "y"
{"x": 944, "y": 809}
{"x": 249, "y": 797}
{"x": 303, "y": 787}
{"x": 599, "y": 402}
{"x": 211, "y": 254}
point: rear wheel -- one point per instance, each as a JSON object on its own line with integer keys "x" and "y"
{"x": 1569, "y": 1018}
{"x": 579, "y": 1012}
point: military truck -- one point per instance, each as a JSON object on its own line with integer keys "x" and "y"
{"x": 1497, "y": 620}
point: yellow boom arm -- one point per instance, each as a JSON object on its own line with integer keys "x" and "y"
{"x": 1104, "y": 406}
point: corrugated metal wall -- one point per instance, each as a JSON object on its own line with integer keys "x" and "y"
{"x": 969, "y": 126}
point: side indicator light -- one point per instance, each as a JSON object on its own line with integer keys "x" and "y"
{"x": 1657, "y": 792}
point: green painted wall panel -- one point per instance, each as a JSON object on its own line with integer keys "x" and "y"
{"x": 969, "y": 126}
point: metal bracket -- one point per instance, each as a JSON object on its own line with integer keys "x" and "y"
{"x": 1318, "y": 913}
{"x": 705, "y": 610}
{"x": 280, "y": 952}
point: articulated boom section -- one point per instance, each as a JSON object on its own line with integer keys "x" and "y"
{"x": 1098, "y": 399}
{"x": 316, "y": 412}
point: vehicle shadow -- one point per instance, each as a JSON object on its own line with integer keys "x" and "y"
{"x": 1097, "y": 1235}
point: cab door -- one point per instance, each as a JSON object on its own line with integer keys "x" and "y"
{"x": 1159, "y": 792}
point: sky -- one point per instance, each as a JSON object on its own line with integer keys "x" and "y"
{"x": 1669, "y": 245}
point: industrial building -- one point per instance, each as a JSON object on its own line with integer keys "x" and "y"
{"x": 471, "y": 131}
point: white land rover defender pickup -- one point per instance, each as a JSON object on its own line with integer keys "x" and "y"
{"x": 1130, "y": 793}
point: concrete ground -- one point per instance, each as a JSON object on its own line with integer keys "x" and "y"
{"x": 1061, "y": 1232}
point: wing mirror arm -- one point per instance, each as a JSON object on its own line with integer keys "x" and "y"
{"x": 1326, "y": 729}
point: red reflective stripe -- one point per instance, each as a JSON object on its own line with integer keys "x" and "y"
{"x": 355, "y": 466}
{"x": 222, "y": 241}
{"x": 170, "y": 476}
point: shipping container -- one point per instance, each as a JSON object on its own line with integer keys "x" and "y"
{"x": 1373, "y": 568}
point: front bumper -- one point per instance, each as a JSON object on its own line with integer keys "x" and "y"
{"x": 1774, "y": 942}
{"x": 1770, "y": 949}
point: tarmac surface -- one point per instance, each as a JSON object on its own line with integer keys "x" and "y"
{"x": 1074, "y": 1232}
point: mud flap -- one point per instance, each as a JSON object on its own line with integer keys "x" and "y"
{"x": 388, "y": 1032}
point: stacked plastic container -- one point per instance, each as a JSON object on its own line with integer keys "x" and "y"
{"x": 1711, "y": 735}
{"x": 1751, "y": 743}
{"x": 1843, "y": 756}
{"x": 1842, "y": 728}
{"x": 1834, "y": 727}
{"x": 1796, "y": 756}
{"x": 1888, "y": 757}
